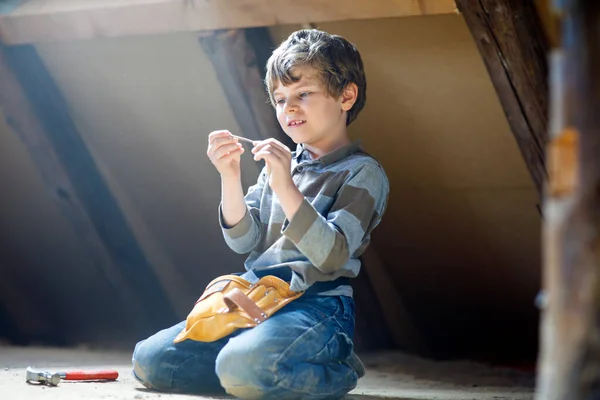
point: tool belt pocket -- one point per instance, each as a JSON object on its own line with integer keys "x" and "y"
{"x": 230, "y": 302}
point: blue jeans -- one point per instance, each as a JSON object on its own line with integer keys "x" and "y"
{"x": 304, "y": 351}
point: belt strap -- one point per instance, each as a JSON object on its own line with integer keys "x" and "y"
{"x": 285, "y": 273}
{"x": 320, "y": 287}
{"x": 236, "y": 298}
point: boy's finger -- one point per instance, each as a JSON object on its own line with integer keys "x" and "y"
{"x": 229, "y": 154}
{"x": 278, "y": 144}
{"x": 265, "y": 151}
{"x": 283, "y": 147}
{"x": 262, "y": 143}
{"x": 272, "y": 154}
{"x": 258, "y": 146}
{"x": 234, "y": 153}
{"x": 272, "y": 143}
{"x": 218, "y": 134}
{"x": 223, "y": 150}
{"x": 276, "y": 151}
{"x": 264, "y": 155}
{"x": 221, "y": 141}
{"x": 224, "y": 140}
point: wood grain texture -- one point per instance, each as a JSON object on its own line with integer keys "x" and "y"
{"x": 513, "y": 47}
{"x": 60, "y": 20}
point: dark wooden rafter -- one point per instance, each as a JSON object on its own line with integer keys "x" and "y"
{"x": 513, "y": 46}
{"x": 36, "y": 111}
{"x": 569, "y": 360}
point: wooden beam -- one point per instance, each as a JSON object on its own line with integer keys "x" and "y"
{"x": 513, "y": 47}
{"x": 239, "y": 62}
{"x": 569, "y": 360}
{"x": 36, "y": 111}
{"x": 60, "y": 20}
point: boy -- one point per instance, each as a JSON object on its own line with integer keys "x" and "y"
{"x": 306, "y": 220}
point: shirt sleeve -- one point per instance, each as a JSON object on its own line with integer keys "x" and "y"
{"x": 328, "y": 242}
{"x": 246, "y": 234}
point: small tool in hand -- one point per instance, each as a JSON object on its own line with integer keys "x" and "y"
{"x": 243, "y": 139}
{"x": 53, "y": 379}
{"x": 253, "y": 143}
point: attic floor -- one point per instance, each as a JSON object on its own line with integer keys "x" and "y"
{"x": 389, "y": 376}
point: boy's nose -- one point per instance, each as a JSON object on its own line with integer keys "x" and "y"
{"x": 290, "y": 108}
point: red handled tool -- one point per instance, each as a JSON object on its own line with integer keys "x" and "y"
{"x": 53, "y": 378}
{"x": 107, "y": 374}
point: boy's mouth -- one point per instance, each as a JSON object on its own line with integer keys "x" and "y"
{"x": 296, "y": 122}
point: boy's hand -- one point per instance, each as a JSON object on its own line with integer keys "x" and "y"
{"x": 278, "y": 158}
{"x": 224, "y": 152}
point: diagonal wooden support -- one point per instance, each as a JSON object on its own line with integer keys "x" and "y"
{"x": 569, "y": 360}
{"x": 512, "y": 44}
{"x": 36, "y": 111}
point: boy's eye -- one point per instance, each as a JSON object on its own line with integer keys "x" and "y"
{"x": 279, "y": 101}
{"x": 304, "y": 94}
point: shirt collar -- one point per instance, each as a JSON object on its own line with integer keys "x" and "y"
{"x": 329, "y": 158}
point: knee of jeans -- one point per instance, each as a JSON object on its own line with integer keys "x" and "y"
{"x": 141, "y": 363}
{"x": 146, "y": 363}
{"x": 247, "y": 373}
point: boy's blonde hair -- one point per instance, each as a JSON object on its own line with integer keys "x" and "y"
{"x": 336, "y": 61}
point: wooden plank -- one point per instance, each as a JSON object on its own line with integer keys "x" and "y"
{"x": 35, "y": 109}
{"x": 569, "y": 362}
{"x": 56, "y": 20}
{"x": 240, "y": 69}
{"x": 513, "y": 47}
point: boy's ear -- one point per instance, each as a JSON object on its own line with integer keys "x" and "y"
{"x": 349, "y": 96}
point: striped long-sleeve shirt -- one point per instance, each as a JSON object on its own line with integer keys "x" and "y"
{"x": 345, "y": 195}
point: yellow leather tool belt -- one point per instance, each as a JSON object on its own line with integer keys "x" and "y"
{"x": 231, "y": 302}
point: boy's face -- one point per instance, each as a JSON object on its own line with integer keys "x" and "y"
{"x": 306, "y": 112}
